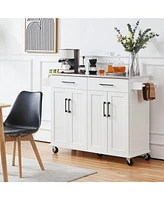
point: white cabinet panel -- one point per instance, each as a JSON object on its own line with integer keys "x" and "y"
{"x": 78, "y": 108}
{"x": 118, "y": 124}
{"x": 97, "y": 122}
{"x": 60, "y": 125}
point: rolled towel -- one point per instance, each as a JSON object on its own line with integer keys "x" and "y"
{"x": 152, "y": 91}
{"x": 148, "y": 91}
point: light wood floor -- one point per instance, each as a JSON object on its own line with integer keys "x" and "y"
{"x": 109, "y": 168}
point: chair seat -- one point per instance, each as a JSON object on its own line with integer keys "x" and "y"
{"x": 18, "y": 131}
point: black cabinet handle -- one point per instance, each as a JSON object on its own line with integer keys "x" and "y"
{"x": 103, "y": 84}
{"x": 69, "y": 100}
{"x": 104, "y": 103}
{"x": 108, "y": 109}
{"x": 66, "y": 105}
{"x": 68, "y": 82}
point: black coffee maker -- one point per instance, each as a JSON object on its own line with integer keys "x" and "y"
{"x": 92, "y": 66}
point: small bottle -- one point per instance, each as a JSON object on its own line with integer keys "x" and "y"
{"x": 101, "y": 70}
{"x": 82, "y": 69}
{"x": 49, "y": 73}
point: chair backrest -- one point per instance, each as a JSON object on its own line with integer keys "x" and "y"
{"x": 26, "y": 111}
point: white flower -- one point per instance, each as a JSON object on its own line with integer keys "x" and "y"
{"x": 129, "y": 35}
{"x": 124, "y": 41}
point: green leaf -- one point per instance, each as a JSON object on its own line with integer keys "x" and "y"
{"x": 129, "y": 28}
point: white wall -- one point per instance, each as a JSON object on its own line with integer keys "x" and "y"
{"x": 91, "y": 36}
{"x": 20, "y": 70}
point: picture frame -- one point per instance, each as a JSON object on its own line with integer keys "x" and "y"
{"x": 41, "y": 35}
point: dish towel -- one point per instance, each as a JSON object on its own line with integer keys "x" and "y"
{"x": 148, "y": 91}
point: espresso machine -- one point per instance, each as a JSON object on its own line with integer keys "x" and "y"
{"x": 69, "y": 59}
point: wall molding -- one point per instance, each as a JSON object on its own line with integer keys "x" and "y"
{"x": 156, "y": 144}
{"x": 32, "y": 54}
{"x": 87, "y": 56}
{"x": 22, "y": 60}
{"x": 156, "y": 133}
{"x": 41, "y": 71}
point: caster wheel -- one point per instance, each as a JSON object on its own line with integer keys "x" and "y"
{"x": 99, "y": 155}
{"x": 147, "y": 157}
{"x": 130, "y": 163}
{"x": 55, "y": 149}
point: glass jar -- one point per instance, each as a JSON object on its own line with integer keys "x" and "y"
{"x": 101, "y": 70}
{"x": 82, "y": 69}
{"x": 111, "y": 59}
{"x": 119, "y": 65}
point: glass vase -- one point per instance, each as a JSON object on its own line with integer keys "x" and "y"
{"x": 134, "y": 64}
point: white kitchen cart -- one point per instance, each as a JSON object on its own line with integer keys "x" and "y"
{"x": 100, "y": 114}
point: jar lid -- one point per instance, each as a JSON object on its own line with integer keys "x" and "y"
{"x": 118, "y": 62}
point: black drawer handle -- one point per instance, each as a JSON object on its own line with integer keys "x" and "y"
{"x": 108, "y": 109}
{"x": 104, "y": 103}
{"x": 68, "y": 82}
{"x": 66, "y": 105}
{"x": 69, "y": 100}
{"x": 103, "y": 84}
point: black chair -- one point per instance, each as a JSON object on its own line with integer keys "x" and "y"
{"x": 23, "y": 120}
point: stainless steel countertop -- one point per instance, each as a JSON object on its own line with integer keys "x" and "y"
{"x": 99, "y": 76}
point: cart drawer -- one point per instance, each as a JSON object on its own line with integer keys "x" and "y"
{"x": 108, "y": 84}
{"x": 69, "y": 82}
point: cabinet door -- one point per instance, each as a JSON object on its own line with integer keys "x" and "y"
{"x": 60, "y": 119}
{"x": 78, "y": 113}
{"x": 118, "y": 124}
{"x": 97, "y": 122}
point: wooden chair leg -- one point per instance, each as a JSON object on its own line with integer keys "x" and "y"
{"x": 19, "y": 156}
{"x": 14, "y": 152}
{"x": 3, "y": 149}
{"x": 36, "y": 151}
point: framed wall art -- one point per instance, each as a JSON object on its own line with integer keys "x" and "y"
{"x": 41, "y": 35}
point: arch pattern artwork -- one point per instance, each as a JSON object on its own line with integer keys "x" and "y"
{"x": 41, "y": 35}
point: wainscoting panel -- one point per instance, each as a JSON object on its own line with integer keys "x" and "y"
{"x": 15, "y": 76}
{"x": 157, "y": 145}
{"x": 44, "y": 69}
{"x": 154, "y": 67}
{"x": 45, "y": 65}
{"x": 44, "y": 133}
